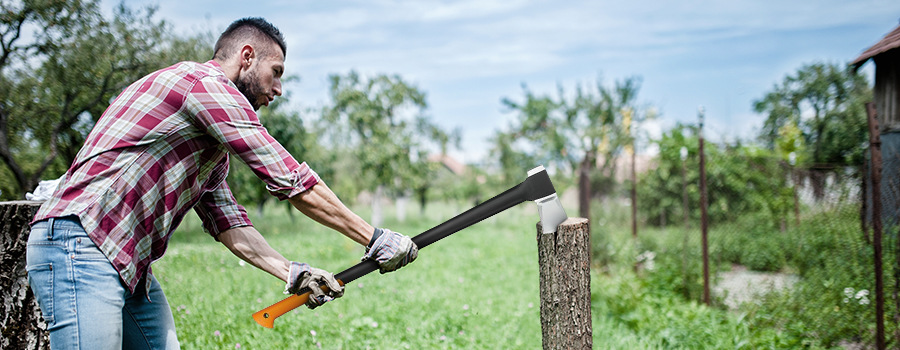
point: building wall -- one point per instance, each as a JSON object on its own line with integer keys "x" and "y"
{"x": 887, "y": 90}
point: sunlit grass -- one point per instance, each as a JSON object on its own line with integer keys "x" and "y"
{"x": 477, "y": 289}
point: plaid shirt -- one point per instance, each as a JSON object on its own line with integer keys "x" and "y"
{"x": 160, "y": 149}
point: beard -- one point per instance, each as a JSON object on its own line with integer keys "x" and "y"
{"x": 248, "y": 85}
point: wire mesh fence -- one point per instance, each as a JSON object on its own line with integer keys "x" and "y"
{"x": 792, "y": 246}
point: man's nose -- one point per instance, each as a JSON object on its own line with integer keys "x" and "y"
{"x": 277, "y": 87}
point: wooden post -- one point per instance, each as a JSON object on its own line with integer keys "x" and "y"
{"x": 875, "y": 148}
{"x": 565, "y": 273}
{"x": 21, "y": 320}
{"x": 704, "y": 218}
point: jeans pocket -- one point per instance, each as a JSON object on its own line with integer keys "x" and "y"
{"x": 85, "y": 249}
{"x": 40, "y": 278}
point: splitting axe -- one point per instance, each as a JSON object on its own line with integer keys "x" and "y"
{"x": 537, "y": 187}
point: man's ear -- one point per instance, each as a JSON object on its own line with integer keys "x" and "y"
{"x": 247, "y": 54}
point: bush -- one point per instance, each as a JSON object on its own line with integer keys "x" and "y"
{"x": 833, "y": 301}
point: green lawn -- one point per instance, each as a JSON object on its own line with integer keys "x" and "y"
{"x": 477, "y": 289}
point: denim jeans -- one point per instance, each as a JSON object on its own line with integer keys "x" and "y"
{"x": 82, "y": 299}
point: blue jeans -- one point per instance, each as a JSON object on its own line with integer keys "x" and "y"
{"x": 82, "y": 299}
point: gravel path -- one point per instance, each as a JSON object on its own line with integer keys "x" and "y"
{"x": 743, "y": 285}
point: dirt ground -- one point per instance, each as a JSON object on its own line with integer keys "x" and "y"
{"x": 742, "y": 285}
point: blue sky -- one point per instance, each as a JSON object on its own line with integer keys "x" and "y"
{"x": 468, "y": 55}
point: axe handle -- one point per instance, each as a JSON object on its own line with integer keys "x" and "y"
{"x": 512, "y": 197}
{"x": 266, "y": 317}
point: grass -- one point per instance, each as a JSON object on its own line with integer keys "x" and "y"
{"x": 477, "y": 289}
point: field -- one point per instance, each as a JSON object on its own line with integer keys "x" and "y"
{"x": 477, "y": 289}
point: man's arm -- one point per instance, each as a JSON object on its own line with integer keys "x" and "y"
{"x": 249, "y": 245}
{"x": 322, "y": 205}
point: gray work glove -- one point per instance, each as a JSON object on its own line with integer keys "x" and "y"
{"x": 303, "y": 275}
{"x": 390, "y": 250}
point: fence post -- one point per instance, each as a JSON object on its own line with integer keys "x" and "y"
{"x": 875, "y": 148}
{"x": 21, "y": 320}
{"x": 704, "y": 218}
{"x": 564, "y": 258}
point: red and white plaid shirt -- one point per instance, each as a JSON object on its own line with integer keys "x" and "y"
{"x": 160, "y": 149}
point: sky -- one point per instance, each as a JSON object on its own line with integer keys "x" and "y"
{"x": 468, "y": 55}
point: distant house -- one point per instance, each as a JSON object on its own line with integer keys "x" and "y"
{"x": 453, "y": 165}
{"x": 886, "y": 55}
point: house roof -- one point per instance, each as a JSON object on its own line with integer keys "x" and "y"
{"x": 451, "y": 163}
{"x": 890, "y": 42}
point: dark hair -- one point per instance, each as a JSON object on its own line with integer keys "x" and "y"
{"x": 247, "y": 29}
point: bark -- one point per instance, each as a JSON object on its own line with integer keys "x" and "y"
{"x": 565, "y": 278}
{"x": 21, "y": 322}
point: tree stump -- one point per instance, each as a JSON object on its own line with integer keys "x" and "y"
{"x": 21, "y": 322}
{"x": 565, "y": 273}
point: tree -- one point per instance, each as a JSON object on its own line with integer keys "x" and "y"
{"x": 742, "y": 180}
{"x": 56, "y": 81}
{"x": 576, "y": 134}
{"x": 827, "y": 103}
{"x": 382, "y": 119}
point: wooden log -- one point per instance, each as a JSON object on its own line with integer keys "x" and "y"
{"x": 20, "y": 320}
{"x": 564, "y": 258}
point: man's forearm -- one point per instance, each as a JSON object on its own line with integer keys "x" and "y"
{"x": 248, "y": 244}
{"x": 323, "y": 206}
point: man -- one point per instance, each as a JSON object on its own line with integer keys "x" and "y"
{"x": 160, "y": 149}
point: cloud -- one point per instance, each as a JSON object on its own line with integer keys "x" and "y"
{"x": 468, "y": 54}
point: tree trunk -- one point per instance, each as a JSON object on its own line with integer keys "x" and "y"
{"x": 400, "y": 204}
{"x": 817, "y": 178}
{"x": 377, "y": 215}
{"x": 564, "y": 260}
{"x": 422, "y": 195}
{"x": 584, "y": 186}
{"x": 21, "y": 320}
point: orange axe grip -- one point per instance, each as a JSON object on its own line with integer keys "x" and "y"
{"x": 266, "y": 317}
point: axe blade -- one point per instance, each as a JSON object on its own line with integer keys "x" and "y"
{"x": 550, "y": 209}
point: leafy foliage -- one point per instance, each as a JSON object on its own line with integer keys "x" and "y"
{"x": 827, "y": 103}
{"x": 572, "y": 134}
{"x": 736, "y": 176}
{"x": 382, "y": 121}
{"x": 56, "y": 81}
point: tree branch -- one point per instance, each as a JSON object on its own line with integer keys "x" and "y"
{"x": 5, "y": 154}
{"x": 8, "y": 45}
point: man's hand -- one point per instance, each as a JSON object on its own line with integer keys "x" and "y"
{"x": 390, "y": 250}
{"x": 303, "y": 275}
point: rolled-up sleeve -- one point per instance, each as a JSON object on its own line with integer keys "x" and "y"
{"x": 219, "y": 211}
{"x": 221, "y": 110}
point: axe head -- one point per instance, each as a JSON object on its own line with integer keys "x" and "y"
{"x": 540, "y": 190}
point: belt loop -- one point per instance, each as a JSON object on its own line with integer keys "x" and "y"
{"x": 50, "y": 229}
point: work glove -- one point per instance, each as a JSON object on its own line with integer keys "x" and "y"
{"x": 303, "y": 275}
{"x": 390, "y": 250}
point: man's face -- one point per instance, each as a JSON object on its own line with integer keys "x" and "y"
{"x": 261, "y": 82}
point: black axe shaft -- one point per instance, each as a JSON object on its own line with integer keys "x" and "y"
{"x": 535, "y": 187}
